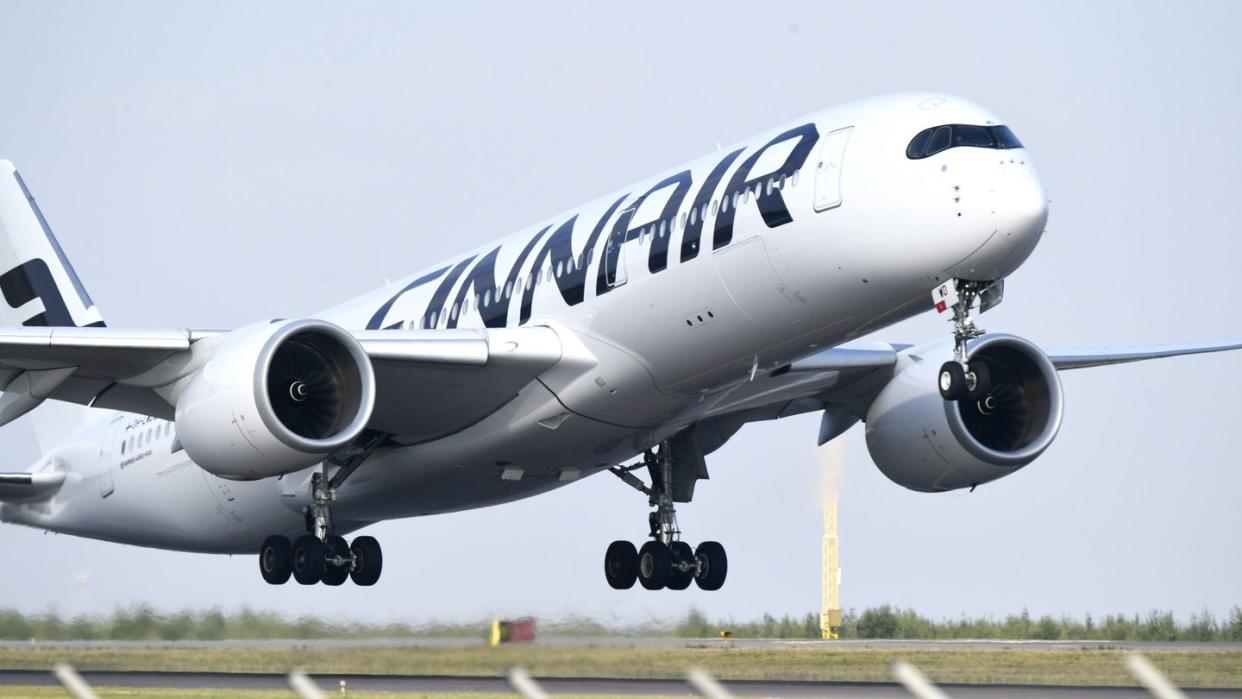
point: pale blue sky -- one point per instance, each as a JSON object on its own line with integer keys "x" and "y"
{"x": 208, "y": 165}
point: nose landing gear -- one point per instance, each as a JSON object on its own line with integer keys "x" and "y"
{"x": 665, "y": 562}
{"x": 960, "y": 379}
{"x": 320, "y": 556}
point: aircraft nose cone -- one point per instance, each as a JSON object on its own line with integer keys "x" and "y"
{"x": 1022, "y": 207}
{"x": 1016, "y": 214}
{"x": 1022, "y": 215}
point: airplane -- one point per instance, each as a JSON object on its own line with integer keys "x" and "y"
{"x": 650, "y": 324}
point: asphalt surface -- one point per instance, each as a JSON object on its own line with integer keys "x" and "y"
{"x": 640, "y": 642}
{"x": 746, "y": 688}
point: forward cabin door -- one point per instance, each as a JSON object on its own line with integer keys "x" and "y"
{"x": 614, "y": 263}
{"x": 830, "y": 160}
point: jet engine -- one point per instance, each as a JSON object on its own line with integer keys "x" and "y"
{"x": 276, "y": 399}
{"x": 923, "y": 442}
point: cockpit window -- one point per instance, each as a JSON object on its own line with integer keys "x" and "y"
{"x": 918, "y": 145}
{"x": 1005, "y": 138}
{"x": 938, "y": 138}
{"x": 976, "y": 136}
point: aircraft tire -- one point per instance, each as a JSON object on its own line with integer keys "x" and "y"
{"x": 713, "y": 565}
{"x": 621, "y": 565}
{"x": 308, "y": 560}
{"x": 678, "y": 579}
{"x": 276, "y": 559}
{"x": 368, "y": 561}
{"x": 952, "y": 381}
{"x": 983, "y": 381}
{"x": 335, "y": 575}
{"x": 655, "y": 565}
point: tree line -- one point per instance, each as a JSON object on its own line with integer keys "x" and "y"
{"x": 144, "y": 623}
{"x": 888, "y": 622}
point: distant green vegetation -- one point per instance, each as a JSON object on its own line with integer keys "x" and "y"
{"x": 895, "y": 623}
{"x": 144, "y": 623}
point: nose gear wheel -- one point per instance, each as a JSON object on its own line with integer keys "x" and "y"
{"x": 959, "y": 379}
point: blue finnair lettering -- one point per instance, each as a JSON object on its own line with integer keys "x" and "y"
{"x": 771, "y": 203}
{"x": 694, "y": 226}
{"x": 493, "y": 301}
{"x": 378, "y": 318}
{"x": 558, "y": 249}
{"x": 623, "y": 232}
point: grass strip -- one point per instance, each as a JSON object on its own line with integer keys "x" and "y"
{"x": 1187, "y": 668}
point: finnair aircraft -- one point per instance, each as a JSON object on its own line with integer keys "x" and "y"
{"x": 652, "y": 323}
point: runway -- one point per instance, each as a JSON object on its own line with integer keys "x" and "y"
{"x": 566, "y": 685}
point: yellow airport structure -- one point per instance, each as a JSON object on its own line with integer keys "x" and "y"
{"x": 830, "y": 610}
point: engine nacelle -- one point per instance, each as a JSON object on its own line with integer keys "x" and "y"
{"x": 923, "y": 442}
{"x": 279, "y": 398}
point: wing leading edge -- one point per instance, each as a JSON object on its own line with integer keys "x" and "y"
{"x": 1065, "y": 359}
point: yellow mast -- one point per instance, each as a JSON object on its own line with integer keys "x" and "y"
{"x": 830, "y": 611}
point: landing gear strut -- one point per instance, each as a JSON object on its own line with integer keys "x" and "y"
{"x": 960, "y": 380}
{"x": 665, "y": 561}
{"x": 320, "y": 555}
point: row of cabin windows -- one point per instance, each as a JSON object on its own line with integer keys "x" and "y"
{"x": 146, "y": 437}
{"x": 661, "y": 228}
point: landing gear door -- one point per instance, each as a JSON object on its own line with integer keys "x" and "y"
{"x": 830, "y": 160}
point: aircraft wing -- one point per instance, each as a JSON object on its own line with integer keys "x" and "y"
{"x": 1065, "y": 359}
{"x": 429, "y": 382}
{"x": 844, "y": 380}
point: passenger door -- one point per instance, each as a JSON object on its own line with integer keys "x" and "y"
{"x": 830, "y": 159}
{"x": 614, "y": 263}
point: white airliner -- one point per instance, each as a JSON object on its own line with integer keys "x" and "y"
{"x": 655, "y": 321}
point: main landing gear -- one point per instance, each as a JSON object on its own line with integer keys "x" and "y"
{"x": 960, "y": 380}
{"x": 320, "y": 556}
{"x": 666, "y": 561}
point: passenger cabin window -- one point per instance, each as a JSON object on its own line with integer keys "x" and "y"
{"x": 929, "y": 142}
